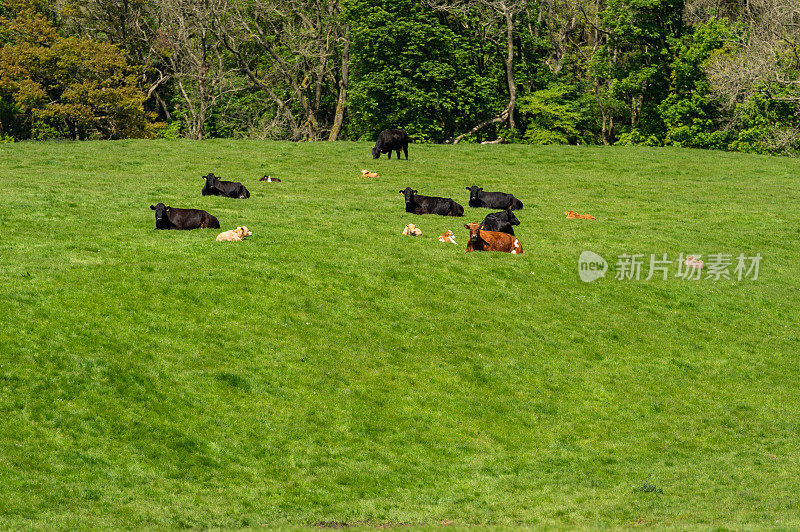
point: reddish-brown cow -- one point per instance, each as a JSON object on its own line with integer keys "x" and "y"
{"x": 480, "y": 240}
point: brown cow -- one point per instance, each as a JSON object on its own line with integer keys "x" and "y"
{"x": 491, "y": 240}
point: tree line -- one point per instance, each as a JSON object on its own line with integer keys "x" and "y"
{"x": 722, "y": 74}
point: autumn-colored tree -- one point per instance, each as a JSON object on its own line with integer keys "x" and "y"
{"x": 64, "y": 87}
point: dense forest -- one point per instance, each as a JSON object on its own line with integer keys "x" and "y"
{"x": 722, "y": 74}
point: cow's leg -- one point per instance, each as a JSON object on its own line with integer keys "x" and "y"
{"x": 398, "y": 155}
{"x": 390, "y": 154}
{"x": 405, "y": 150}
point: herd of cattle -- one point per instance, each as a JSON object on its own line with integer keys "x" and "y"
{"x": 496, "y": 233}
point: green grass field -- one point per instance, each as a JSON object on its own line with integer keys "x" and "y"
{"x": 329, "y": 370}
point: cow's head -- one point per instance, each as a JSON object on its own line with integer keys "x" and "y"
{"x": 511, "y": 218}
{"x": 161, "y": 212}
{"x": 408, "y": 192}
{"x": 473, "y": 192}
{"x": 211, "y": 180}
{"x": 376, "y": 152}
{"x": 474, "y": 231}
{"x": 244, "y": 231}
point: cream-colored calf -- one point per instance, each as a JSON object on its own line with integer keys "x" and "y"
{"x": 234, "y": 235}
{"x": 412, "y": 230}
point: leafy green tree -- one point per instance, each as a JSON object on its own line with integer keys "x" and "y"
{"x": 635, "y": 60}
{"x": 691, "y": 113}
{"x": 766, "y": 126}
{"x": 66, "y": 87}
{"x": 410, "y": 69}
{"x": 556, "y": 115}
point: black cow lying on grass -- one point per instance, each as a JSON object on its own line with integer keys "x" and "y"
{"x": 492, "y": 200}
{"x": 391, "y": 140}
{"x": 500, "y": 221}
{"x": 170, "y": 218}
{"x": 417, "y": 204}
{"x": 230, "y": 189}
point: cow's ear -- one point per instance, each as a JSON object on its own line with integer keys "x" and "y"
{"x": 467, "y": 188}
{"x": 466, "y": 226}
{"x": 153, "y": 207}
{"x": 402, "y": 191}
{"x": 415, "y": 191}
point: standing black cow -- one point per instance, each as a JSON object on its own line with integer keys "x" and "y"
{"x": 391, "y": 140}
{"x": 492, "y": 200}
{"x": 170, "y": 218}
{"x": 230, "y": 189}
{"x": 416, "y": 204}
{"x": 501, "y": 222}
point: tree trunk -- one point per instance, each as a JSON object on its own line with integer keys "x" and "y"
{"x": 636, "y": 109}
{"x": 338, "y": 118}
{"x": 604, "y": 114}
{"x": 512, "y": 84}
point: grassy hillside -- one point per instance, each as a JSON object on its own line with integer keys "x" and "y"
{"x": 330, "y": 370}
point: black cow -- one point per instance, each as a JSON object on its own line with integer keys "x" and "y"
{"x": 501, "y": 222}
{"x": 230, "y": 189}
{"x": 492, "y": 200}
{"x": 417, "y": 204}
{"x": 170, "y": 218}
{"x": 391, "y": 140}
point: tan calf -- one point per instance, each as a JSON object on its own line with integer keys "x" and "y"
{"x": 412, "y": 230}
{"x": 234, "y": 235}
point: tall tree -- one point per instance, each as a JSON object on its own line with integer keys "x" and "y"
{"x": 637, "y": 55}
{"x": 132, "y": 26}
{"x": 344, "y": 81}
{"x": 196, "y": 58}
{"x": 292, "y": 50}
{"x": 65, "y": 87}
{"x": 757, "y": 76}
{"x": 496, "y": 20}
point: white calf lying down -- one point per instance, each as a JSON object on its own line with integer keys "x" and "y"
{"x": 412, "y": 230}
{"x": 234, "y": 235}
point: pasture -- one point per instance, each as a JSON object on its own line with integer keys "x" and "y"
{"x": 329, "y": 371}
